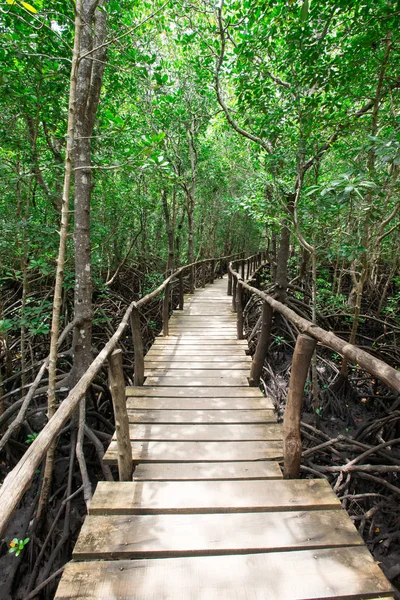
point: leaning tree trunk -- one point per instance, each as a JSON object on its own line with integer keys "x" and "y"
{"x": 58, "y": 290}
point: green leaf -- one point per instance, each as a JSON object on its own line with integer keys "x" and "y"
{"x": 29, "y": 7}
{"x": 304, "y": 11}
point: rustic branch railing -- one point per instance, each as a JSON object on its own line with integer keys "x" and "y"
{"x": 19, "y": 479}
{"x": 310, "y": 334}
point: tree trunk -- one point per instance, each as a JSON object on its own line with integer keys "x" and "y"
{"x": 170, "y": 233}
{"x": 281, "y": 280}
{"x": 89, "y": 81}
{"x": 58, "y": 290}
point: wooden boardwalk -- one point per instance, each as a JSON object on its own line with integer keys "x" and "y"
{"x": 208, "y": 515}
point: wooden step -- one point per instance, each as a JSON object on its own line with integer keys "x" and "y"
{"x": 180, "y": 342}
{"x": 153, "y": 497}
{"x": 198, "y": 451}
{"x": 194, "y": 392}
{"x": 201, "y": 372}
{"x": 218, "y": 348}
{"x": 259, "y": 469}
{"x": 198, "y": 381}
{"x": 203, "y": 366}
{"x": 203, "y": 433}
{"x": 202, "y": 353}
{"x": 163, "y": 536}
{"x": 207, "y": 356}
{"x": 201, "y": 403}
{"x": 343, "y": 573}
{"x": 201, "y": 416}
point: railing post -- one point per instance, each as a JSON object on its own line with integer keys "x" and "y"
{"x": 212, "y": 269}
{"x": 138, "y": 347}
{"x": 181, "y": 291}
{"x": 117, "y": 387}
{"x": 239, "y": 310}
{"x": 234, "y": 286}
{"x": 203, "y": 274}
{"x": 165, "y": 311}
{"x": 262, "y": 345}
{"x": 248, "y": 268}
{"x": 303, "y": 352}
{"x": 229, "y": 283}
{"x": 221, "y": 268}
{"x": 191, "y": 280}
{"x": 243, "y": 267}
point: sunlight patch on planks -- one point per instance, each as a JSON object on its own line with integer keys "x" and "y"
{"x": 152, "y": 497}
{"x": 299, "y": 575}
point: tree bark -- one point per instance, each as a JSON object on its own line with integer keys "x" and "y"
{"x": 57, "y": 300}
{"x": 89, "y": 80}
{"x": 281, "y": 280}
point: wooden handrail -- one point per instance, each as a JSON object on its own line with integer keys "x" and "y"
{"x": 310, "y": 334}
{"x": 376, "y": 367}
{"x": 19, "y": 479}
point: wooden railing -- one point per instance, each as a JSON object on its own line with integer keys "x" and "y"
{"x": 309, "y": 335}
{"x": 20, "y": 478}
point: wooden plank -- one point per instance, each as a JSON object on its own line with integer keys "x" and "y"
{"x": 201, "y": 336}
{"x": 261, "y": 469}
{"x": 198, "y": 451}
{"x": 172, "y": 371}
{"x": 198, "y": 381}
{"x": 207, "y": 311}
{"x": 170, "y": 497}
{"x": 202, "y": 416}
{"x": 205, "y": 392}
{"x": 219, "y": 354}
{"x": 166, "y": 367}
{"x": 204, "y": 327}
{"x": 195, "y": 404}
{"x": 178, "y": 341}
{"x": 217, "y": 362}
{"x": 205, "y": 323}
{"x": 324, "y": 574}
{"x": 215, "y": 345}
{"x": 183, "y": 319}
{"x": 163, "y": 536}
{"x": 204, "y": 433}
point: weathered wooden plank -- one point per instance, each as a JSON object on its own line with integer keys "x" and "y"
{"x": 162, "y": 536}
{"x": 187, "y": 362}
{"x": 183, "y": 319}
{"x": 191, "y": 334}
{"x": 153, "y": 497}
{"x": 205, "y": 392}
{"x": 325, "y": 574}
{"x": 218, "y": 353}
{"x": 180, "y": 341}
{"x": 232, "y": 374}
{"x": 192, "y": 338}
{"x": 204, "y": 433}
{"x": 201, "y": 416}
{"x": 198, "y": 451}
{"x": 260, "y": 469}
{"x": 212, "y": 330}
{"x": 203, "y": 310}
{"x": 198, "y": 381}
{"x": 202, "y": 403}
